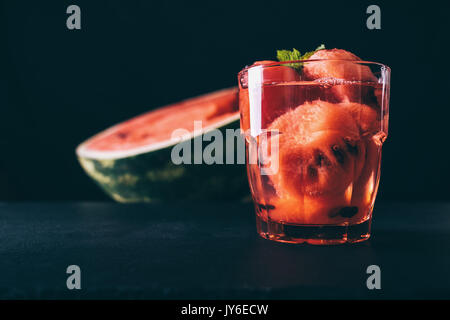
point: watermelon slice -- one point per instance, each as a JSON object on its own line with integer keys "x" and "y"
{"x": 335, "y": 66}
{"x": 339, "y": 64}
{"x": 131, "y": 161}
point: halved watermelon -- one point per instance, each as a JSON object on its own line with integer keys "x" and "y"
{"x": 131, "y": 161}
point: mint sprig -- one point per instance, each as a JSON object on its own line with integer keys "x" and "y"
{"x": 308, "y": 55}
{"x": 288, "y": 55}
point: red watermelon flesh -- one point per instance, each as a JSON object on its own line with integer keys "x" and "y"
{"x": 324, "y": 165}
{"x": 341, "y": 65}
{"x": 157, "y": 126}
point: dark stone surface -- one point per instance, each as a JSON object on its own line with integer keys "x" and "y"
{"x": 212, "y": 251}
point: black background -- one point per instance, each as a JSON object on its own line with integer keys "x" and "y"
{"x": 60, "y": 86}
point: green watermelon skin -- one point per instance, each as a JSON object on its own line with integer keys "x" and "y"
{"x": 152, "y": 177}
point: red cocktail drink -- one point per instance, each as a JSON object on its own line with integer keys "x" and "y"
{"x": 314, "y": 131}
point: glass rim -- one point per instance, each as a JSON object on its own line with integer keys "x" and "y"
{"x": 279, "y": 63}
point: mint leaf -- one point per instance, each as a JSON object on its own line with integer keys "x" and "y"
{"x": 308, "y": 55}
{"x": 288, "y": 55}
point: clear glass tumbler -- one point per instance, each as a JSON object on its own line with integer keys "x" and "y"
{"x": 313, "y": 132}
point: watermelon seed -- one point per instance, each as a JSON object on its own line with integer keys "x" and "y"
{"x": 338, "y": 154}
{"x": 352, "y": 149}
{"x": 348, "y": 212}
{"x": 345, "y": 212}
{"x": 265, "y": 206}
{"x": 312, "y": 172}
{"x": 321, "y": 158}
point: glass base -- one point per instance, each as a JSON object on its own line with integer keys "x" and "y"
{"x": 313, "y": 234}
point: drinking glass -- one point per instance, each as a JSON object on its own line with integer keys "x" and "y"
{"x": 313, "y": 132}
